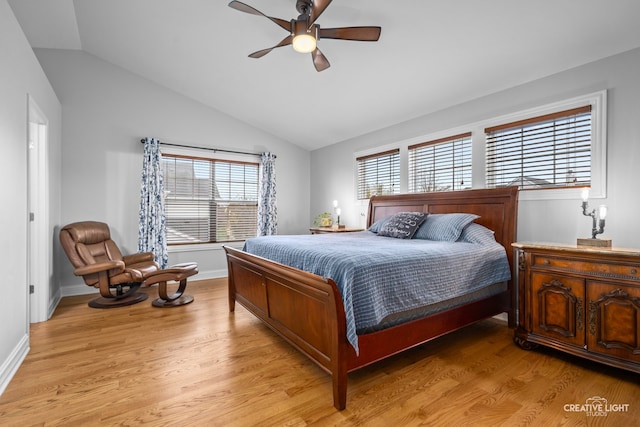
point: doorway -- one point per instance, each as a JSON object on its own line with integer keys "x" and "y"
{"x": 38, "y": 259}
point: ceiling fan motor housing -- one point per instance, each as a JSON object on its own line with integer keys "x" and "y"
{"x": 304, "y": 7}
{"x": 301, "y": 26}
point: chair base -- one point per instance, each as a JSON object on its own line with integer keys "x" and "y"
{"x": 177, "y": 273}
{"x": 102, "y": 302}
{"x": 184, "y": 299}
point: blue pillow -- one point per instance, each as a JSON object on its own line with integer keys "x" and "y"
{"x": 444, "y": 227}
{"x": 376, "y": 226}
{"x": 402, "y": 225}
{"x": 476, "y": 233}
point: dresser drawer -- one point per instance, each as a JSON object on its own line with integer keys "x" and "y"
{"x": 588, "y": 267}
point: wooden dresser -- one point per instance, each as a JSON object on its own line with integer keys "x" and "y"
{"x": 583, "y": 301}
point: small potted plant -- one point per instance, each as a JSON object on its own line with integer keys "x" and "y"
{"x": 323, "y": 220}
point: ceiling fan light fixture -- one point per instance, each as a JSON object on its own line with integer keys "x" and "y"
{"x": 304, "y": 43}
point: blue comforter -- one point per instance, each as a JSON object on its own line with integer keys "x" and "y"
{"x": 378, "y": 276}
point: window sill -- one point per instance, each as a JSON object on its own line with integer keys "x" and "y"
{"x": 203, "y": 247}
{"x": 557, "y": 194}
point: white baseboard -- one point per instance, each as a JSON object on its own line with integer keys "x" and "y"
{"x": 502, "y": 316}
{"x": 81, "y": 289}
{"x": 53, "y": 304}
{"x": 10, "y": 366}
{"x": 211, "y": 274}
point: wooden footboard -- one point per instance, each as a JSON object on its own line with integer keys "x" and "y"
{"x": 303, "y": 308}
{"x": 307, "y": 311}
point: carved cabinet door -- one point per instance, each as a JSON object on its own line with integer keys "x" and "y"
{"x": 557, "y": 304}
{"x": 613, "y": 319}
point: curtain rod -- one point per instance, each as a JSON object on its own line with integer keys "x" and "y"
{"x": 215, "y": 150}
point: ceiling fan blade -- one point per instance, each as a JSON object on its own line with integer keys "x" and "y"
{"x": 363, "y": 34}
{"x": 286, "y": 25}
{"x": 259, "y": 54}
{"x": 318, "y": 7}
{"x": 319, "y": 60}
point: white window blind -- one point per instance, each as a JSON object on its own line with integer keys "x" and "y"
{"x": 550, "y": 151}
{"x": 378, "y": 174}
{"x": 209, "y": 200}
{"x": 440, "y": 165}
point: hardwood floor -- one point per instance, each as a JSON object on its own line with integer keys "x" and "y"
{"x": 200, "y": 365}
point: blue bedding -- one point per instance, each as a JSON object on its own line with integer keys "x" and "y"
{"x": 378, "y": 276}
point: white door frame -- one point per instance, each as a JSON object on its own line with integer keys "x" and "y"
{"x": 38, "y": 244}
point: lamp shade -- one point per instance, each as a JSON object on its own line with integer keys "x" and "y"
{"x": 585, "y": 194}
{"x": 304, "y": 43}
{"x": 603, "y": 211}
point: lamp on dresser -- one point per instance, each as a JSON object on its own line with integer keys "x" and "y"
{"x": 597, "y": 227}
{"x": 338, "y": 212}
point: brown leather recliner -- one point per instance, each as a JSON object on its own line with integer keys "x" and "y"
{"x": 98, "y": 260}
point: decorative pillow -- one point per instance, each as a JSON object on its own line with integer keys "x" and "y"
{"x": 376, "y": 226}
{"x": 444, "y": 227}
{"x": 402, "y": 225}
{"x": 476, "y": 233}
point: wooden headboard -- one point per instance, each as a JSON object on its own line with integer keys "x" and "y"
{"x": 498, "y": 209}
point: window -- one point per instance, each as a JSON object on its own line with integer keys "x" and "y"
{"x": 440, "y": 165}
{"x": 378, "y": 174}
{"x": 559, "y": 148}
{"x": 209, "y": 200}
{"x": 549, "y": 151}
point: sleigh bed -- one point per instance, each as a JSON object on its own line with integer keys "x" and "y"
{"x": 308, "y": 310}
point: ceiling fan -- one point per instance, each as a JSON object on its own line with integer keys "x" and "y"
{"x": 304, "y": 32}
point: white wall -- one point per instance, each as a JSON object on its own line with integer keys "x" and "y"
{"x": 20, "y": 74}
{"x": 543, "y": 220}
{"x": 106, "y": 111}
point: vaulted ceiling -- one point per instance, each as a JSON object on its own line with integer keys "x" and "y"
{"x": 431, "y": 54}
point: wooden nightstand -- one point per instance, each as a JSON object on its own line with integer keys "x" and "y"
{"x": 324, "y": 230}
{"x": 580, "y": 300}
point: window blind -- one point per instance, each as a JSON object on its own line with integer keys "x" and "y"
{"x": 440, "y": 165}
{"x": 550, "y": 151}
{"x": 378, "y": 174}
{"x": 209, "y": 200}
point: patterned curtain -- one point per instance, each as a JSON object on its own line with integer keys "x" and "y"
{"x": 152, "y": 235}
{"x": 267, "y": 211}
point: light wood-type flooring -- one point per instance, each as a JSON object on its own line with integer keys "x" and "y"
{"x": 199, "y": 365}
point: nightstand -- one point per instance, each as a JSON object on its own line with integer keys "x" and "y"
{"x": 324, "y": 230}
{"x": 581, "y": 300}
